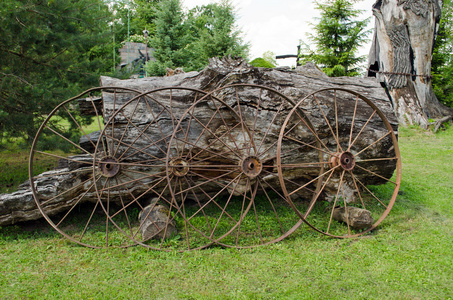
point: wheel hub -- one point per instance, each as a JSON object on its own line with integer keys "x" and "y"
{"x": 179, "y": 167}
{"x": 346, "y": 160}
{"x": 251, "y": 166}
{"x": 109, "y": 166}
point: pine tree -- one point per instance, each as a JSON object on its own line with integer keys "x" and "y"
{"x": 188, "y": 40}
{"x": 49, "y": 51}
{"x": 337, "y": 38}
{"x": 218, "y": 35}
{"x": 170, "y": 39}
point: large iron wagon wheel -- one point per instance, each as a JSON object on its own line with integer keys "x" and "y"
{"x": 221, "y": 168}
{"x": 355, "y": 163}
{"x": 130, "y": 162}
{"x": 62, "y": 151}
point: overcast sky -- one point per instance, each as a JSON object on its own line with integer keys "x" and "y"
{"x": 278, "y": 25}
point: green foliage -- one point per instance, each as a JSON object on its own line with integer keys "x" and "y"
{"x": 188, "y": 40}
{"x": 132, "y": 17}
{"x": 442, "y": 62}
{"x": 267, "y": 61}
{"x": 49, "y": 51}
{"x": 337, "y": 38}
{"x": 270, "y": 57}
{"x": 170, "y": 39}
{"x": 261, "y": 63}
{"x": 213, "y": 25}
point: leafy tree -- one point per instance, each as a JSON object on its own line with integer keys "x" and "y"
{"x": 133, "y": 16}
{"x": 261, "y": 63}
{"x": 270, "y": 57}
{"x": 442, "y": 62}
{"x": 189, "y": 40}
{"x": 267, "y": 61}
{"x": 337, "y": 38}
{"x": 49, "y": 51}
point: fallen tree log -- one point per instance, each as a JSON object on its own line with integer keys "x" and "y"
{"x": 185, "y": 145}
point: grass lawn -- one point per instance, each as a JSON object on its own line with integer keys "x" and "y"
{"x": 410, "y": 255}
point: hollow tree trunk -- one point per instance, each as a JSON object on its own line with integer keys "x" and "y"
{"x": 400, "y": 57}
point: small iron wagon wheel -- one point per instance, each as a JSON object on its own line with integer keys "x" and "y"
{"x": 130, "y": 167}
{"x": 221, "y": 168}
{"x": 60, "y": 166}
{"x": 349, "y": 158}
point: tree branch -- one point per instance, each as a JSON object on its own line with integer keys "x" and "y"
{"x": 438, "y": 123}
{"x": 41, "y": 63}
{"x": 17, "y": 77}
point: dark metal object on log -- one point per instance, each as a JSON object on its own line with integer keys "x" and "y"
{"x": 201, "y": 154}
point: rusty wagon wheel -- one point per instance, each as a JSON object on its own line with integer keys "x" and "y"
{"x": 130, "y": 162}
{"x": 354, "y": 166}
{"x": 63, "y": 149}
{"x": 221, "y": 168}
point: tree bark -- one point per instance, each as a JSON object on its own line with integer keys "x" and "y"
{"x": 401, "y": 54}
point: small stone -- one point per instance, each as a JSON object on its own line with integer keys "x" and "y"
{"x": 358, "y": 218}
{"x": 155, "y": 223}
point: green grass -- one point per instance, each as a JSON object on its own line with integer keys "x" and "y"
{"x": 14, "y": 159}
{"x": 409, "y": 256}
{"x": 14, "y": 168}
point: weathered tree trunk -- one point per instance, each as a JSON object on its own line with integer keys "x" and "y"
{"x": 296, "y": 85}
{"x": 401, "y": 54}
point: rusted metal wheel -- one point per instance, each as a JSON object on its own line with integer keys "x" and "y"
{"x": 221, "y": 169}
{"x": 130, "y": 165}
{"x": 64, "y": 149}
{"x": 354, "y": 165}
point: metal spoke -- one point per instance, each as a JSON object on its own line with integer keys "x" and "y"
{"x": 75, "y": 204}
{"x": 336, "y": 121}
{"x": 361, "y": 130}
{"x": 69, "y": 141}
{"x": 389, "y": 132}
{"x": 129, "y": 121}
{"x": 272, "y": 205}
{"x": 352, "y": 124}
{"x": 226, "y": 205}
{"x": 377, "y": 175}
{"x": 358, "y": 190}
{"x": 316, "y": 197}
{"x": 311, "y": 181}
{"x": 124, "y": 209}
{"x": 99, "y": 122}
{"x": 78, "y": 125}
{"x": 335, "y": 136}
{"x": 335, "y": 201}
{"x": 371, "y": 193}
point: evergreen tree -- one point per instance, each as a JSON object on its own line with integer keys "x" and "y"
{"x": 188, "y": 41}
{"x": 442, "y": 62}
{"x": 49, "y": 51}
{"x": 337, "y": 38}
{"x": 217, "y": 35}
{"x": 171, "y": 38}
